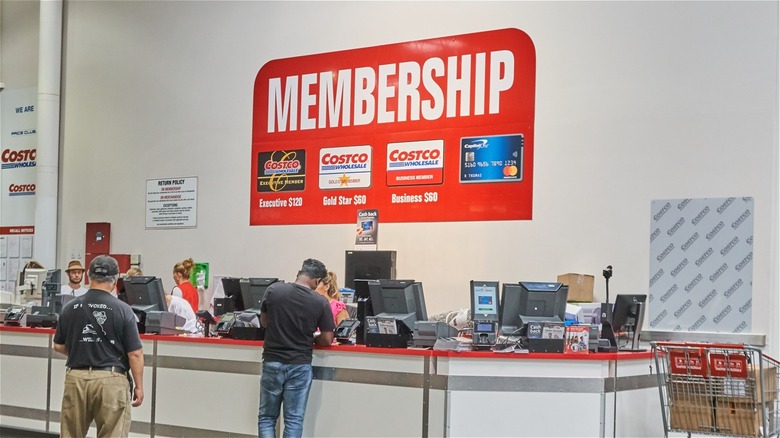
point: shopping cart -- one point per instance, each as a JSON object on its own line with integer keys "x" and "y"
{"x": 717, "y": 389}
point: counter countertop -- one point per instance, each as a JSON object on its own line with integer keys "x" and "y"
{"x": 623, "y": 355}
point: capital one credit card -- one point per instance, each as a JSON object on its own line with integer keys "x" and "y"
{"x": 495, "y": 158}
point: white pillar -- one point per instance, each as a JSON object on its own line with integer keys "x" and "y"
{"x": 48, "y": 130}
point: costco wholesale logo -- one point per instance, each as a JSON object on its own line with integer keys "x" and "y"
{"x": 345, "y": 167}
{"x": 415, "y": 163}
{"x": 281, "y": 171}
{"x": 12, "y": 159}
{"x": 21, "y": 189}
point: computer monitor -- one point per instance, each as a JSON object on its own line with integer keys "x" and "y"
{"x": 484, "y": 300}
{"x": 145, "y": 294}
{"x": 232, "y": 288}
{"x": 60, "y": 301}
{"x": 253, "y": 292}
{"x": 121, "y": 292}
{"x": 403, "y": 300}
{"x": 627, "y": 318}
{"x": 532, "y": 302}
{"x": 51, "y": 287}
{"x": 509, "y": 321}
{"x": 368, "y": 265}
{"x": 32, "y": 284}
{"x": 54, "y": 276}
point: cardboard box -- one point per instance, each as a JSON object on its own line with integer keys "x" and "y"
{"x": 690, "y": 404}
{"x": 746, "y": 390}
{"x": 743, "y": 419}
{"x": 688, "y": 417}
{"x": 580, "y": 286}
{"x": 689, "y": 392}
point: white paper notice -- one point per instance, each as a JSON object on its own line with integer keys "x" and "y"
{"x": 13, "y": 269}
{"x": 25, "y": 246}
{"x": 13, "y": 246}
{"x": 172, "y": 203}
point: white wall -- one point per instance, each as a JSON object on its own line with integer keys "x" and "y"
{"x": 19, "y": 43}
{"x": 635, "y": 101}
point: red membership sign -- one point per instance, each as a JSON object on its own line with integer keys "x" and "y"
{"x": 424, "y": 131}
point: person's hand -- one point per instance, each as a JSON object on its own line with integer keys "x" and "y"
{"x": 138, "y": 396}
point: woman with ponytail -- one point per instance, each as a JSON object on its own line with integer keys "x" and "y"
{"x": 183, "y": 288}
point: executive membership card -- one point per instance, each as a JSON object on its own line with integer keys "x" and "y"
{"x": 494, "y": 158}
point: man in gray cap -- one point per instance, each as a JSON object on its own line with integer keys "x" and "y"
{"x": 99, "y": 335}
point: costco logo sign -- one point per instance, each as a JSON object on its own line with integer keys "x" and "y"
{"x": 13, "y": 159}
{"x": 345, "y": 167}
{"x": 415, "y": 163}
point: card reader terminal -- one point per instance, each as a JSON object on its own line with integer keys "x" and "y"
{"x": 484, "y": 335}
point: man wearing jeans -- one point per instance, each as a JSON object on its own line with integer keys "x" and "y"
{"x": 291, "y": 313}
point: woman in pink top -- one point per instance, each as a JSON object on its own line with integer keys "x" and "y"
{"x": 327, "y": 287}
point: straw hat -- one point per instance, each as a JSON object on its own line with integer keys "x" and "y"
{"x": 75, "y": 265}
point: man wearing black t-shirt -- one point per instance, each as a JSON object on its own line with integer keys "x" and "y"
{"x": 99, "y": 335}
{"x": 291, "y": 313}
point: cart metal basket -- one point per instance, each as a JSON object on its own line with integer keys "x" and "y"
{"x": 717, "y": 389}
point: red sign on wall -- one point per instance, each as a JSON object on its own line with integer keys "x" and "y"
{"x": 424, "y": 131}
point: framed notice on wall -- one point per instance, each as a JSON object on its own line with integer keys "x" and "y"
{"x": 423, "y": 131}
{"x": 172, "y": 203}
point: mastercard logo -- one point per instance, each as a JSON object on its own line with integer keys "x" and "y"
{"x": 510, "y": 170}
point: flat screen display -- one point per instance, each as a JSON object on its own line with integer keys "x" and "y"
{"x": 484, "y": 300}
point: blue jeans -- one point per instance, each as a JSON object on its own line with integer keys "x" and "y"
{"x": 283, "y": 384}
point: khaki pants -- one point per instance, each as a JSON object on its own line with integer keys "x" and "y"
{"x": 103, "y": 396}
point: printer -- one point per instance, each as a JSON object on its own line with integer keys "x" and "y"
{"x": 427, "y": 332}
{"x": 164, "y": 323}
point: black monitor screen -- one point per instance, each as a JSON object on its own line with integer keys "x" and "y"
{"x": 362, "y": 292}
{"x": 625, "y": 314}
{"x": 368, "y": 265}
{"x": 532, "y": 301}
{"x": 54, "y": 276}
{"x": 232, "y": 287}
{"x": 253, "y": 292}
{"x": 541, "y": 301}
{"x": 401, "y": 299}
{"x": 510, "y": 309}
{"x": 145, "y": 293}
{"x": 60, "y": 300}
{"x": 51, "y": 287}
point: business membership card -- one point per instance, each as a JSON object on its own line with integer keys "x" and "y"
{"x": 495, "y": 158}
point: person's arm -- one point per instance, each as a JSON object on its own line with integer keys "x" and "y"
{"x": 324, "y": 339}
{"x": 136, "y": 359}
{"x": 61, "y": 349}
{"x": 341, "y": 316}
{"x": 264, "y": 319}
{"x": 326, "y": 325}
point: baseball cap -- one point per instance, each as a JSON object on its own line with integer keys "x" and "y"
{"x": 103, "y": 266}
{"x": 74, "y": 265}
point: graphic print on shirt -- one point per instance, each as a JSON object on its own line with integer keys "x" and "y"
{"x": 88, "y": 334}
{"x": 101, "y": 317}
